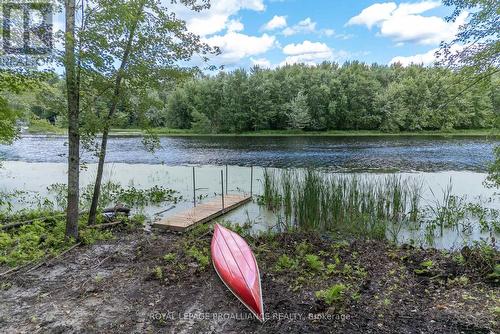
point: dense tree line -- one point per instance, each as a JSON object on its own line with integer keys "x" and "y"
{"x": 354, "y": 96}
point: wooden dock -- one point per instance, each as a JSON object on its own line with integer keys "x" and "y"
{"x": 202, "y": 213}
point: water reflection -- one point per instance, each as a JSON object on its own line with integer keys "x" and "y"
{"x": 333, "y": 153}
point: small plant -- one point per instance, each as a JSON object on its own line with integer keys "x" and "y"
{"x": 314, "y": 262}
{"x": 285, "y": 262}
{"x": 98, "y": 278}
{"x": 495, "y": 275}
{"x": 347, "y": 269}
{"x": 461, "y": 280}
{"x": 199, "y": 256}
{"x": 302, "y": 248}
{"x": 158, "y": 272}
{"x": 496, "y": 311}
{"x": 169, "y": 257}
{"x": 331, "y": 269}
{"x": 333, "y": 294}
{"x": 425, "y": 266}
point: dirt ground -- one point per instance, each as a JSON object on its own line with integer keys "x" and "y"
{"x": 109, "y": 287}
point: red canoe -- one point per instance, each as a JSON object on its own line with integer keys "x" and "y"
{"x": 236, "y": 266}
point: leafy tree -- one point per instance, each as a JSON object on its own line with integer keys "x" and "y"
{"x": 8, "y": 119}
{"x": 298, "y": 116}
{"x": 178, "y": 110}
{"x": 479, "y": 36}
{"x": 200, "y": 123}
{"x": 480, "y": 53}
{"x": 13, "y": 82}
{"x": 351, "y": 96}
{"x": 129, "y": 46}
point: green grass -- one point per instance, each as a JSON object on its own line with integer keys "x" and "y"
{"x": 299, "y": 133}
{"x": 43, "y": 127}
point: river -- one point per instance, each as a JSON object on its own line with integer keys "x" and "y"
{"x": 32, "y": 163}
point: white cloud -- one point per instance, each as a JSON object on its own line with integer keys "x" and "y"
{"x": 261, "y": 62}
{"x": 311, "y": 53}
{"x": 236, "y": 46}
{"x": 276, "y": 22}
{"x": 217, "y": 18}
{"x": 328, "y": 32}
{"x": 427, "y": 58}
{"x": 402, "y": 23}
{"x": 374, "y": 14}
{"x": 305, "y": 26}
{"x": 235, "y": 25}
{"x": 305, "y": 47}
{"x": 416, "y": 8}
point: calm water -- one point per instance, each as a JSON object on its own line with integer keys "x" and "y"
{"x": 335, "y": 153}
{"x": 35, "y": 162}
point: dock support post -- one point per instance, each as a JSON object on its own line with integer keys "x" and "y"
{"x": 251, "y": 181}
{"x": 222, "y": 185}
{"x": 227, "y": 177}
{"x": 194, "y": 189}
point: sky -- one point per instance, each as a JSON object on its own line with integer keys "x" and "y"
{"x": 272, "y": 33}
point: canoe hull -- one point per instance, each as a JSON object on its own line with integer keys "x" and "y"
{"x": 237, "y": 267}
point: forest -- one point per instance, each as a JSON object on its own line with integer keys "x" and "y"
{"x": 329, "y": 96}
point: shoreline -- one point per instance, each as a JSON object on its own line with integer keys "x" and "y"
{"x": 479, "y": 133}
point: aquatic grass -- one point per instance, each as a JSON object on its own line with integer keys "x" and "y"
{"x": 312, "y": 200}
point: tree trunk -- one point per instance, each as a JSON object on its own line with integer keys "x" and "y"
{"x": 73, "y": 122}
{"x": 98, "y": 180}
{"x": 112, "y": 109}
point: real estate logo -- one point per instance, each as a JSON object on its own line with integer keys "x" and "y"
{"x": 26, "y": 32}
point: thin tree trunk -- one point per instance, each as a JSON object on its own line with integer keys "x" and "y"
{"x": 98, "y": 181}
{"x": 112, "y": 109}
{"x": 73, "y": 122}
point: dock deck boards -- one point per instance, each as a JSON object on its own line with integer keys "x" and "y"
{"x": 202, "y": 213}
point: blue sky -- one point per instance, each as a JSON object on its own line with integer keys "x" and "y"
{"x": 274, "y": 32}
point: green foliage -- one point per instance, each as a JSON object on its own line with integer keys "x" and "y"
{"x": 32, "y": 242}
{"x": 313, "y": 262}
{"x": 479, "y": 32}
{"x": 201, "y": 256}
{"x": 493, "y": 179}
{"x": 425, "y": 266}
{"x": 303, "y": 248}
{"x": 8, "y": 119}
{"x": 169, "y": 257}
{"x": 44, "y": 237}
{"x": 298, "y": 112}
{"x": 334, "y": 294}
{"x": 201, "y": 123}
{"x": 113, "y": 193}
{"x": 38, "y": 125}
{"x": 285, "y": 262}
{"x": 158, "y": 272}
{"x": 92, "y": 235}
{"x": 353, "y": 96}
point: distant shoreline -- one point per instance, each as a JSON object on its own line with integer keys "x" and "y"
{"x": 163, "y": 132}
